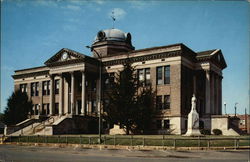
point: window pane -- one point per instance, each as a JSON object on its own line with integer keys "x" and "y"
{"x": 56, "y": 86}
{"x": 167, "y": 75}
{"x": 159, "y": 75}
{"x": 147, "y": 71}
{"x": 32, "y": 89}
{"x": 166, "y": 124}
{"x": 37, "y": 88}
{"x": 158, "y": 124}
{"x": 140, "y": 76}
{"x": 159, "y": 102}
{"x": 167, "y": 102}
{"x": 48, "y": 83}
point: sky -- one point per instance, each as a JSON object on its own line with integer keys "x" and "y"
{"x": 32, "y": 31}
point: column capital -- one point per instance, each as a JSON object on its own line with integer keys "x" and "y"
{"x": 52, "y": 75}
{"x": 72, "y": 72}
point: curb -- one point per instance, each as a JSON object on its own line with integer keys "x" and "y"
{"x": 120, "y": 147}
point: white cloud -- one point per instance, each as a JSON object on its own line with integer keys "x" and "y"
{"x": 69, "y": 27}
{"x": 100, "y": 2}
{"x": 50, "y": 3}
{"x": 72, "y": 7}
{"x": 118, "y": 13}
{"x": 140, "y": 4}
{"x": 73, "y": 20}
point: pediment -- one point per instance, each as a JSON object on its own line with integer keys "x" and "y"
{"x": 218, "y": 57}
{"x": 65, "y": 56}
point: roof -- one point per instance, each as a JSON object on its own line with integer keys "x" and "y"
{"x": 111, "y": 34}
{"x": 205, "y": 53}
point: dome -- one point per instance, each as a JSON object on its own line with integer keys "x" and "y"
{"x": 113, "y": 35}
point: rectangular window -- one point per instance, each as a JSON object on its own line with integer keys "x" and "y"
{"x": 147, "y": 76}
{"x": 166, "y": 124}
{"x": 44, "y": 109}
{"x": 163, "y": 77}
{"x": 159, "y": 75}
{"x": 167, "y": 75}
{"x": 32, "y": 89}
{"x": 106, "y": 81}
{"x": 35, "y": 89}
{"x": 56, "y": 86}
{"x": 56, "y": 108}
{"x": 35, "y": 109}
{"x": 158, "y": 124}
{"x": 93, "y": 85}
{"x": 23, "y": 88}
{"x": 159, "y": 102}
{"x": 166, "y": 101}
{"x": 141, "y": 76}
{"x": 46, "y": 87}
{"x": 111, "y": 79}
{"x": 105, "y": 104}
{"x": 47, "y": 109}
{"x": 94, "y": 107}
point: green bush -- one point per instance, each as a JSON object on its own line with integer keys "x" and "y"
{"x": 217, "y": 132}
{"x": 205, "y": 131}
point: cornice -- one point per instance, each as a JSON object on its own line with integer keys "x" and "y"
{"x": 143, "y": 58}
{"x": 32, "y": 74}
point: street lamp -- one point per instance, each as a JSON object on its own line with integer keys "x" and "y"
{"x": 99, "y": 92}
{"x": 235, "y": 108}
{"x": 225, "y": 106}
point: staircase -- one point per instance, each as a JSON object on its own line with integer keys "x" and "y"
{"x": 33, "y": 127}
{"x": 41, "y": 128}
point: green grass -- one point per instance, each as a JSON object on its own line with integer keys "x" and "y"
{"x": 146, "y": 140}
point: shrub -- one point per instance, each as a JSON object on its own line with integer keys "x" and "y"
{"x": 217, "y": 132}
{"x": 205, "y": 131}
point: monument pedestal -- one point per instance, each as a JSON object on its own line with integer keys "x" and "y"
{"x": 193, "y": 121}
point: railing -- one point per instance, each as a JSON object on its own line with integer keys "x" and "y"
{"x": 174, "y": 143}
{"x": 19, "y": 126}
{"x": 42, "y": 125}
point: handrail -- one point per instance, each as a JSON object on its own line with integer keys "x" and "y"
{"x": 43, "y": 124}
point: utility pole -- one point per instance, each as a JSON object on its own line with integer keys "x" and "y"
{"x": 225, "y": 108}
{"x": 235, "y": 108}
{"x": 246, "y": 122}
{"x": 99, "y": 93}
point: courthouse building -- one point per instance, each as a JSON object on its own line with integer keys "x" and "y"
{"x": 66, "y": 87}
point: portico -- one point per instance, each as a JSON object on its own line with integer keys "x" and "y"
{"x": 68, "y": 88}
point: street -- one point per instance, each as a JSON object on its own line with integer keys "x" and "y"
{"x": 52, "y": 154}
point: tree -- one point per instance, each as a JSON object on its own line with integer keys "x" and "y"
{"x": 145, "y": 109}
{"x": 18, "y": 107}
{"x": 129, "y": 107}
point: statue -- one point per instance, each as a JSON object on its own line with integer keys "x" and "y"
{"x": 193, "y": 120}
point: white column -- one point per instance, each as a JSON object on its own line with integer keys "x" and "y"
{"x": 61, "y": 94}
{"x": 52, "y": 95}
{"x": 83, "y": 94}
{"x": 212, "y": 94}
{"x": 40, "y": 109}
{"x": 220, "y": 96}
{"x": 216, "y": 92}
{"x": 72, "y": 101}
{"x": 207, "y": 92}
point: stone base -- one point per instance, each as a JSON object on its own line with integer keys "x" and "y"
{"x": 193, "y": 132}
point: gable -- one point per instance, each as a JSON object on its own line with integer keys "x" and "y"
{"x": 65, "y": 56}
{"x": 218, "y": 58}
